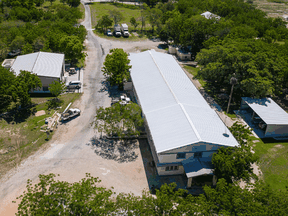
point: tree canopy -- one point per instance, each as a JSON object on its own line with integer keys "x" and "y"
{"x": 116, "y": 67}
{"x": 123, "y": 120}
{"x": 86, "y": 197}
{"x": 56, "y": 88}
{"x": 235, "y": 163}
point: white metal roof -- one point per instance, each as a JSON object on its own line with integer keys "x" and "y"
{"x": 176, "y": 112}
{"x": 40, "y": 63}
{"x": 209, "y": 15}
{"x": 269, "y": 111}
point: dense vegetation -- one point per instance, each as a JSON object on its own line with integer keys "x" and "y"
{"x": 51, "y": 197}
{"x": 244, "y": 41}
{"x": 28, "y": 27}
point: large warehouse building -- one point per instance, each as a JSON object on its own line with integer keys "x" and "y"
{"x": 47, "y": 66}
{"x": 183, "y": 130}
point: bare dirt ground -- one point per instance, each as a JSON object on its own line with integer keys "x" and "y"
{"x": 70, "y": 152}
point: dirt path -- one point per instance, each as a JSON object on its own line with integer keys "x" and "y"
{"x": 68, "y": 153}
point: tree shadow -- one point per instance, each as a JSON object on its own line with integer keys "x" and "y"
{"x": 116, "y": 150}
{"x": 113, "y": 91}
{"x": 18, "y": 116}
{"x": 54, "y": 103}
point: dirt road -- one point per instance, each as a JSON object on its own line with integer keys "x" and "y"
{"x": 69, "y": 153}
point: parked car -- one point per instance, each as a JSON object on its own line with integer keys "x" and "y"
{"x": 74, "y": 85}
{"x": 109, "y": 33}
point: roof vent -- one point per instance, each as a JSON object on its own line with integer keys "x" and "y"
{"x": 225, "y": 135}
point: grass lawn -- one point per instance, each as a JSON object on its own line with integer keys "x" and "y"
{"x": 20, "y": 134}
{"x": 273, "y": 161}
{"x": 99, "y": 9}
{"x": 194, "y": 72}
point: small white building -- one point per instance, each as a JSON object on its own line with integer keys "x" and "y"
{"x": 209, "y": 15}
{"x": 285, "y": 16}
{"x": 47, "y": 66}
{"x": 183, "y": 130}
{"x": 267, "y": 115}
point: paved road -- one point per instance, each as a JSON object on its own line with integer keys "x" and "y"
{"x": 67, "y": 153}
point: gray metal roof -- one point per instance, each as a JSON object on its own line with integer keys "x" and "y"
{"x": 40, "y": 63}
{"x": 176, "y": 112}
{"x": 197, "y": 166}
{"x": 269, "y": 111}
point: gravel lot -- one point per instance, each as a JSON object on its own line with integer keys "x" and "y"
{"x": 71, "y": 152}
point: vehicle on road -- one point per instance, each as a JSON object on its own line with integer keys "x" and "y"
{"x": 109, "y": 32}
{"x": 70, "y": 114}
{"x": 124, "y": 30}
{"x": 117, "y": 30}
{"x": 123, "y": 100}
{"x": 73, "y": 85}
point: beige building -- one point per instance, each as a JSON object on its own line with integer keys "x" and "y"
{"x": 47, "y": 66}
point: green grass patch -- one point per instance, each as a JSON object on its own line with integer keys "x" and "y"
{"x": 273, "y": 162}
{"x": 231, "y": 115}
{"x": 194, "y": 71}
{"x": 100, "y": 9}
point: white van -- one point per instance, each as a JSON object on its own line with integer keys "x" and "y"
{"x": 74, "y": 85}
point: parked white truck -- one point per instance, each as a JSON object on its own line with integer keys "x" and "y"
{"x": 117, "y": 30}
{"x": 124, "y": 30}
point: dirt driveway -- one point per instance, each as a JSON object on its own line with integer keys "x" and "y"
{"x": 71, "y": 152}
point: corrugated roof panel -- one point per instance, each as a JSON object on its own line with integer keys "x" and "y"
{"x": 181, "y": 85}
{"x": 40, "y": 63}
{"x": 170, "y": 128}
{"x": 24, "y": 62}
{"x": 49, "y": 64}
{"x": 269, "y": 111}
{"x": 166, "y": 96}
{"x": 209, "y": 126}
{"x": 149, "y": 84}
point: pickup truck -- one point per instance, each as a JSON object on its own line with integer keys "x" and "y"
{"x": 70, "y": 114}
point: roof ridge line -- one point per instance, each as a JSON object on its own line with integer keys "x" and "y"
{"x": 184, "y": 111}
{"x": 35, "y": 62}
{"x": 164, "y": 77}
{"x": 190, "y": 122}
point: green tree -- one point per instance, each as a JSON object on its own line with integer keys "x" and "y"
{"x": 154, "y": 16}
{"x": 116, "y": 15}
{"x": 25, "y": 82}
{"x": 51, "y": 1}
{"x": 235, "y": 163}
{"x": 73, "y": 3}
{"x": 104, "y": 23}
{"x": 17, "y": 43}
{"x": 51, "y": 197}
{"x": 124, "y": 120}
{"x": 134, "y": 23}
{"x": 116, "y": 67}
{"x": 56, "y": 88}
{"x": 39, "y": 2}
{"x": 27, "y": 49}
{"x": 143, "y": 19}
{"x": 72, "y": 48}
{"x": 7, "y": 88}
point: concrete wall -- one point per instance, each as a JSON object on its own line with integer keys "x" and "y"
{"x": 276, "y": 130}
{"x": 162, "y": 170}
